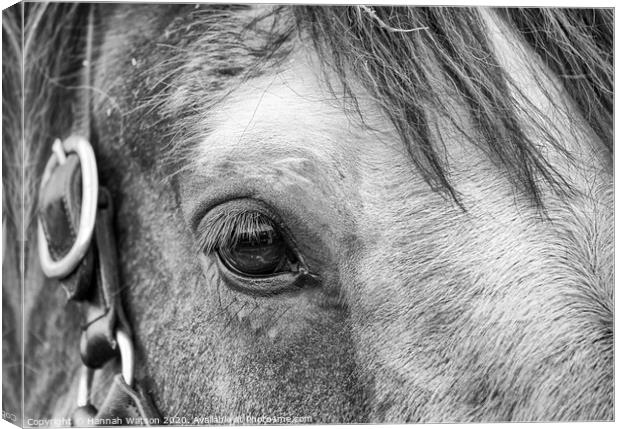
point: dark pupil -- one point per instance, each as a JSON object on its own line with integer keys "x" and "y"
{"x": 262, "y": 252}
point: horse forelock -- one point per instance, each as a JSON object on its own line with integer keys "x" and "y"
{"x": 409, "y": 58}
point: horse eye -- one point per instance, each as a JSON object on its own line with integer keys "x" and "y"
{"x": 257, "y": 251}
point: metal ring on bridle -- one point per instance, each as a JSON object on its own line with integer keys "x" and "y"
{"x": 125, "y": 347}
{"x": 90, "y": 187}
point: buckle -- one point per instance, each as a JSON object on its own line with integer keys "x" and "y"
{"x": 90, "y": 186}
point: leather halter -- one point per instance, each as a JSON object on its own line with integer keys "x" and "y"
{"x": 77, "y": 247}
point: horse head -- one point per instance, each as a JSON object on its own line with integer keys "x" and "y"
{"x": 340, "y": 214}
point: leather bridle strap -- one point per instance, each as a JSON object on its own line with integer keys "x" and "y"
{"x": 77, "y": 247}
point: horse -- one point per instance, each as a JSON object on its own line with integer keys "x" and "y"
{"x": 323, "y": 214}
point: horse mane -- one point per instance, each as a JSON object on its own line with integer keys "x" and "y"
{"x": 50, "y": 60}
{"x": 397, "y": 52}
{"x": 11, "y": 117}
{"x": 39, "y": 66}
{"x": 12, "y": 193}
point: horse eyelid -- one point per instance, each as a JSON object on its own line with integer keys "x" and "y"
{"x": 215, "y": 228}
{"x": 225, "y": 228}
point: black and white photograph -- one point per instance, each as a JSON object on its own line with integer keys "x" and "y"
{"x": 226, "y": 213}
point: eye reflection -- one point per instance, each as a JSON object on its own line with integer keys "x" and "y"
{"x": 257, "y": 250}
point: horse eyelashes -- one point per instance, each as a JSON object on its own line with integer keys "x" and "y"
{"x": 228, "y": 229}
